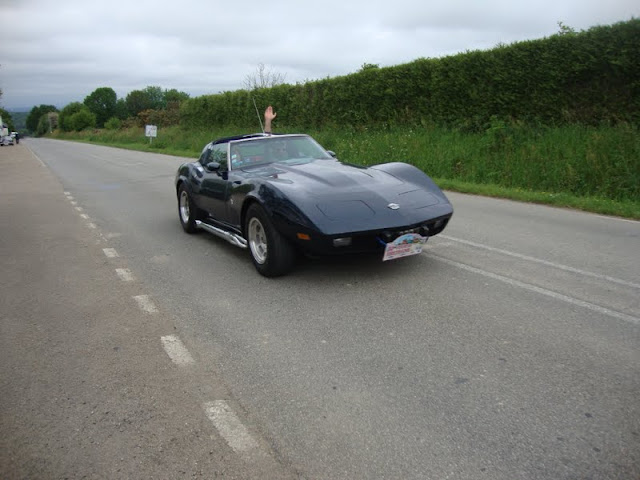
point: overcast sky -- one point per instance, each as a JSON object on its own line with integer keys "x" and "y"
{"x": 59, "y": 51}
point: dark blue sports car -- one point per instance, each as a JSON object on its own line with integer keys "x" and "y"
{"x": 280, "y": 194}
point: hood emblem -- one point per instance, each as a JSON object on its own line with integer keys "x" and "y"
{"x": 393, "y": 206}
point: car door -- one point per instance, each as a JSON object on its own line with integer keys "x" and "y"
{"x": 214, "y": 187}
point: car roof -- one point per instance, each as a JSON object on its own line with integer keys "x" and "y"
{"x": 252, "y": 136}
{"x": 239, "y": 137}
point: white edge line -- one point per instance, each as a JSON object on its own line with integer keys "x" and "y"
{"x": 176, "y": 350}
{"x": 543, "y": 291}
{"x": 629, "y": 220}
{"x": 37, "y": 158}
{"x": 544, "y": 262}
{"x": 229, "y": 426}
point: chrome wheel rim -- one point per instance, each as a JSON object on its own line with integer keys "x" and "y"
{"x": 257, "y": 240}
{"x": 184, "y": 207}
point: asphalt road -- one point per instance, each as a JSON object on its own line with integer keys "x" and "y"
{"x": 509, "y": 349}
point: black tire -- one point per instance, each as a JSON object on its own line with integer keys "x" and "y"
{"x": 187, "y": 210}
{"x": 271, "y": 253}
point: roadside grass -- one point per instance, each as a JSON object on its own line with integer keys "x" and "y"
{"x": 595, "y": 169}
{"x": 617, "y": 208}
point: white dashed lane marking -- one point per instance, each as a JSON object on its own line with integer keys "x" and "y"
{"x": 230, "y": 427}
{"x": 125, "y": 274}
{"x": 110, "y": 252}
{"x": 176, "y": 350}
{"x": 145, "y": 304}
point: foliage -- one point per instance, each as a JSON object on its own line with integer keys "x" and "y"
{"x": 35, "y": 115}
{"x": 20, "y": 121}
{"x": 160, "y": 118}
{"x": 579, "y": 161}
{"x": 175, "y": 97}
{"x": 83, "y": 119}
{"x": 113, "y": 123}
{"x": 64, "y": 120}
{"x": 368, "y": 66}
{"x": 121, "y": 109}
{"x": 156, "y": 97}
{"x": 137, "y": 101}
{"x": 575, "y": 159}
{"x": 589, "y": 77}
{"x": 102, "y": 103}
{"x": 47, "y": 123}
{"x": 153, "y": 98}
{"x": 6, "y": 118}
{"x": 75, "y": 117}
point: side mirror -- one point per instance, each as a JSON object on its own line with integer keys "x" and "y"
{"x": 332, "y": 153}
{"x": 212, "y": 166}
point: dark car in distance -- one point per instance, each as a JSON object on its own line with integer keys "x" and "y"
{"x": 277, "y": 195}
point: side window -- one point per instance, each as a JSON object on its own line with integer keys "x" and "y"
{"x": 219, "y": 154}
{"x": 205, "y": 156}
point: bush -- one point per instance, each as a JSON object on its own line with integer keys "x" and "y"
{"x": 82, "y": 119}
{"x": 113, "y": 124}
{"x": 590, "y": 78}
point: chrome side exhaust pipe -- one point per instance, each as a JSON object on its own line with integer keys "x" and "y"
{"x": 232, "y": 238}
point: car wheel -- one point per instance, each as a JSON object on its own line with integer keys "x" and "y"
{"x": 187, "y": 211}
{"x": 271, "y": 253}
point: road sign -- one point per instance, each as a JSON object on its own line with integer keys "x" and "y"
{"x": 151, "y": 131}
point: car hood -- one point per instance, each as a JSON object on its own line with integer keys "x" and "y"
{"x": 339, "y": 197}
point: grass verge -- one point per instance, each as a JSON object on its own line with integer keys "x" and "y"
{"x": 594, "y": 169}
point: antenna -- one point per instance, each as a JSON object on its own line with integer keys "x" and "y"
{"x": 257, "y": 113}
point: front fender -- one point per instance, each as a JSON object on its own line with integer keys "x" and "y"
{"x": 183, "y": 176}
{"x": 284, "y": 212}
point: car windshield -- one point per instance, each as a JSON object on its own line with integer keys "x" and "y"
{"x": 288, "y": 149}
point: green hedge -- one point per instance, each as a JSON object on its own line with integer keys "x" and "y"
{"x": 591, "y": 77}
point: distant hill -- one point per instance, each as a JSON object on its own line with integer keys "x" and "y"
{"x": 19, "y": 120}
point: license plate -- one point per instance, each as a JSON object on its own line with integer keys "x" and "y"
{"x": 404, "y": 246}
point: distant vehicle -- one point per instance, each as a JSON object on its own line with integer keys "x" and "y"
{"x": 6, "y": 140}
{"x": 278, "y": 194}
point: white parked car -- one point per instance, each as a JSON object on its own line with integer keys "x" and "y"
{"x": 6, "y": 140}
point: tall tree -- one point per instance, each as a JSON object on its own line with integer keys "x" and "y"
{"x": 137, "y": 101}
{"x": 6, "y": 118}
{"x": 34, "y": 116}
{"x": 65, "y": 119}
{"x": 263, "y": 78}
{"x": 121, "y": 109}
{"x": 156, "y": 97}
{"x": 174, "y": 96}
{"x": 102, "y": 103}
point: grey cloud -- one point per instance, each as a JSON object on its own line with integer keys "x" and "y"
{"x": 58, "y": 52}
